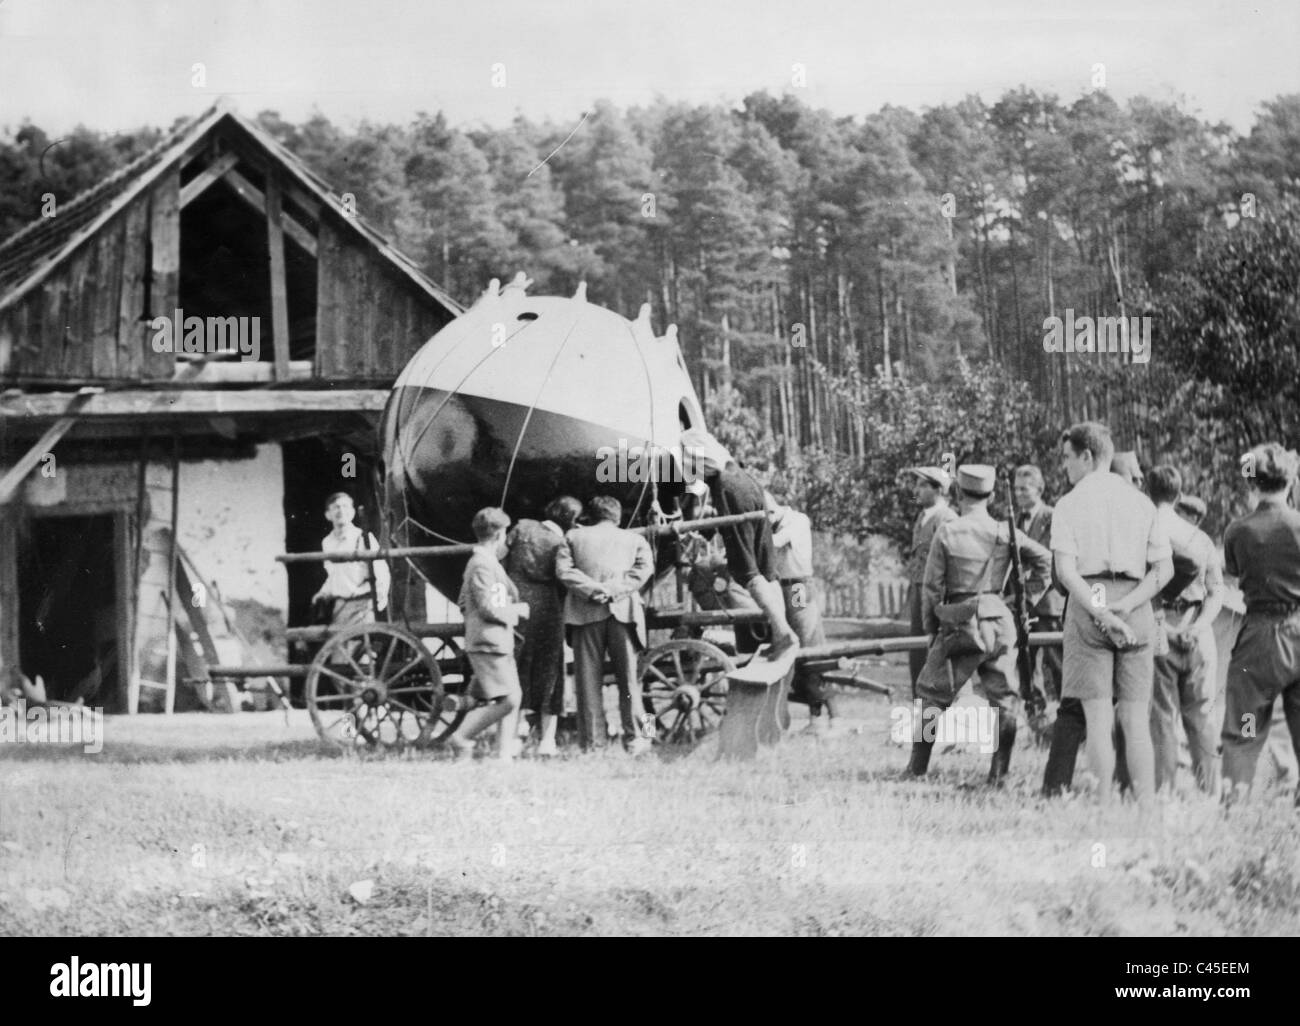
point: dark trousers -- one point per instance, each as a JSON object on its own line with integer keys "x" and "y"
{"x": 591, "y": 641}
{"x": 1049, "y": 658}
{"x": 917, "y": 656}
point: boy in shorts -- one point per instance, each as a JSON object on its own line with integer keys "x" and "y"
{"x": 491, "y": 606}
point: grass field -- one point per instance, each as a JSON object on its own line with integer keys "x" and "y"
{"x": 208, "y": 824}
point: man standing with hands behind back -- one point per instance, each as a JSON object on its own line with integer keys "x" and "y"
{"x": 1112, "y": 557}
{"x": 604, "y": 569}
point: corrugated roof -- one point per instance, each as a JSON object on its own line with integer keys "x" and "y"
{"x": 29, "y": 255}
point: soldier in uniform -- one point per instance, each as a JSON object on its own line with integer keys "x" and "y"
{"x": 1262, "y": 550}
{"x": 1185, "y": 666}
{"x": 1034, "y": 518}
{"x": 970, "y": 557}
{"x": 930, "y": 488}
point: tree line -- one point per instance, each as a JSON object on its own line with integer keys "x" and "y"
{"x": 842, "y": 285}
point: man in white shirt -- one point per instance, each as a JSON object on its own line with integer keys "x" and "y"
{"x": 792, "y": 535}
{"x": 348, "y": 584}
{"x": 1112, "y": 557}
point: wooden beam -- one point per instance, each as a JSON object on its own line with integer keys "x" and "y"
{"x": 165, "y": 243}
{"x": 208, "y": 176}
{"x": 279, "y": 279}
{"x": 10, "y": 666}
{"x": 169, "y": 696}
{"x": 124, "y": 598}
{"x": 189, "y": 403}
{"x": 254, "y": 197}
{"x": 226, "y": 372}
{"x": 255, "y": 157}
{"x": 14, "y": 476}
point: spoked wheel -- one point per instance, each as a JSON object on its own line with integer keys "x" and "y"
{"x": 375, "y": 685}
{"x": 684, "y": 683}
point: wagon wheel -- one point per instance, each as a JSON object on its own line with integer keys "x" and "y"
{"x": 375, "y": 684}
{"x": 684, "y": 687}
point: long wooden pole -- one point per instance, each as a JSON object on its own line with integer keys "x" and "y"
{"x": 370, "y": 555}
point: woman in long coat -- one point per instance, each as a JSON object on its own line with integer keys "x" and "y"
{"x": 531, "y": 565}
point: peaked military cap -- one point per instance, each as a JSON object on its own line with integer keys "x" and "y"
{"x": 977, "y": 478}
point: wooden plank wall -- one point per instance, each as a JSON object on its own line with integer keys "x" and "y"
{"x": 370, "y": 319}
{"x": 88, "y": 320}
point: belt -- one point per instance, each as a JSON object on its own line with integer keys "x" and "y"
{"x": 794, "y": 580}
{"x": 1109, "y": 575}
{"x": 962, "y": 596}
{"x": 1274, "y": 608}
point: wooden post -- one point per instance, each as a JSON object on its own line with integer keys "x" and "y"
{"x": 123, "y": 596}
{"x": 10, "y": 666}
{"x": 279, "y": 285}
{"x": 165, "y": 265}
{"x": 170, "y": 702}
{"x": 141, "y": 496}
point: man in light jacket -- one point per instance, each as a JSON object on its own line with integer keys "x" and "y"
{"x": 604, "y": 569}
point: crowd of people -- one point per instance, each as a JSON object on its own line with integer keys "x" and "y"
{"x": 1120, "y": 567}
{"x": 529, "y": 589}
{"x": 1134, "y": 585}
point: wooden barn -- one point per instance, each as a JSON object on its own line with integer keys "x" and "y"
{"x": 295, "y": 316}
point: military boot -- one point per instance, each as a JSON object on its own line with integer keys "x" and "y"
{"x": 920, "y": 760}
{"x": 1001, "y": 762}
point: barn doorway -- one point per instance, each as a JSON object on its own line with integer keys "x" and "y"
{"x": 68, "y": 607}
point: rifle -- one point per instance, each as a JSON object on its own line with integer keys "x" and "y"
{"x": 1034, "y": 705}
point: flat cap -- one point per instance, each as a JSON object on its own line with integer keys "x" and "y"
{"x": 1190, "y": 504}
{"x": 978, "y": 478}
{"x": 937, "y": 476}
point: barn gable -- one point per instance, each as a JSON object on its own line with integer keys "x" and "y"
{"x": 221, "y": 230}
{"x": 219, "y": 221}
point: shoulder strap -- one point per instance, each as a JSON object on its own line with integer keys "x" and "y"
{"x": 997, "y": 540}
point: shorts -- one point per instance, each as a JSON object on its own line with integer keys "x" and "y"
{"x": 1093, "y": 668}
{"x": 495, "y": 675}
{"x": 750, "y": 551}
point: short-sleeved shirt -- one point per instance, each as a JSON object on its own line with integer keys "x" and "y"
{"x": 793, "y": 540}
{"x": 1194, "y": 547}
{"x": 1262, "y": 550}
{"x": 352, "y": 580}
{"x": 1109, "y": 527}
{"x": 750, "y": 549}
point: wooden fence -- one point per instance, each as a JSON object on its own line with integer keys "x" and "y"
{"x": 862, "y": 600}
